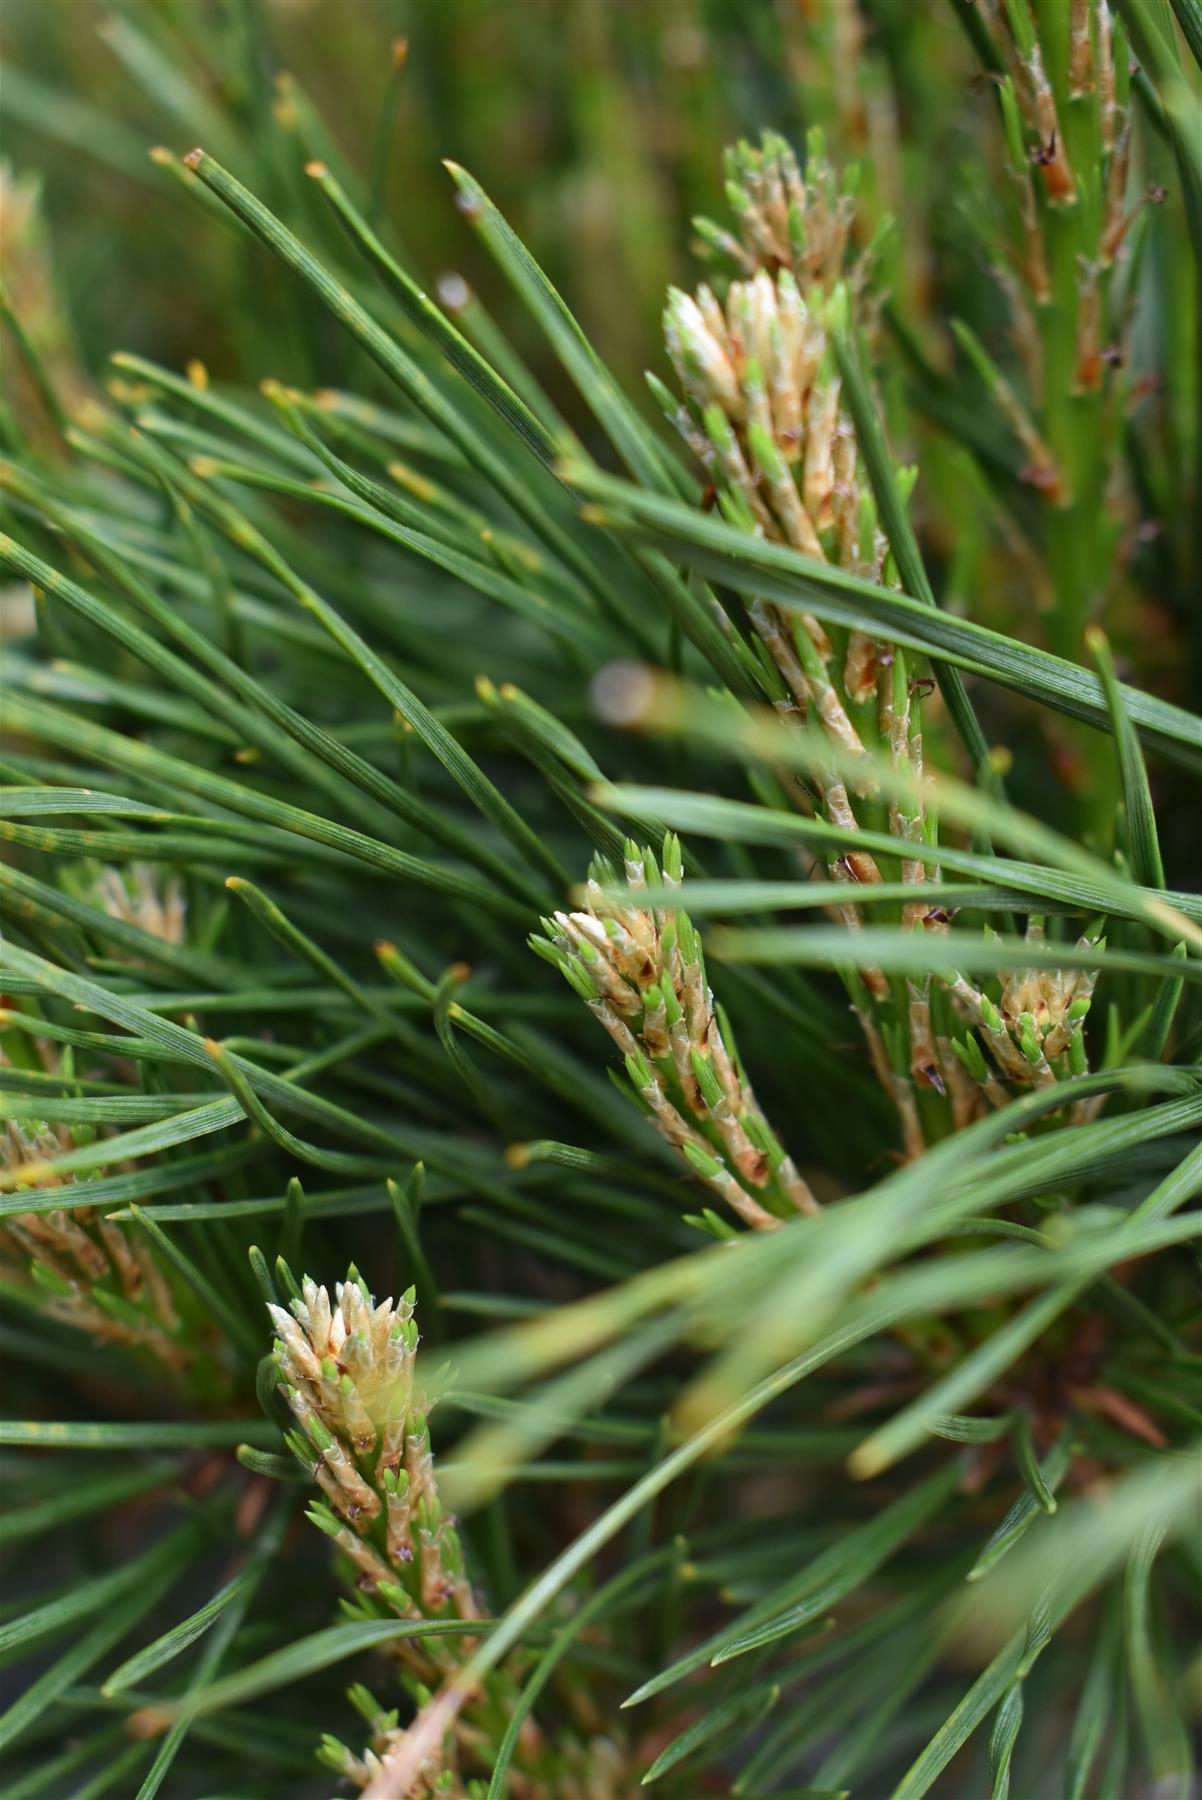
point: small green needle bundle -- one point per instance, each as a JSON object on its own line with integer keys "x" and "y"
{"x": 347, "y": 1371}
{"x": 92, "y": 1274}
{"x": 639, "y": 967}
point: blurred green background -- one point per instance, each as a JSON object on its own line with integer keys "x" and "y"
{"x": 597, "y": 126}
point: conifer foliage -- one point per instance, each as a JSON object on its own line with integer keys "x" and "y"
{"x": 792, "y": 1386}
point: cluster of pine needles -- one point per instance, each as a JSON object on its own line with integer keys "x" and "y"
{"x": 601, "y": 1045}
